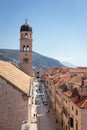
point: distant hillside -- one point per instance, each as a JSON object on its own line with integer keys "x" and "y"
{"x": 68, "y": 64}
{"x": 39, "y": 61}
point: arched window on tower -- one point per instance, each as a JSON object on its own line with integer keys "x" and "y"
{"x": 25, "y": 60}
{"x": 27, "y": 48}
{"x": 26, "y": 35}
{"x": 24, "y": 48}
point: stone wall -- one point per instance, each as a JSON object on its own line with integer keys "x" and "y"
{"x": 75, "y": 112}
{"x": 13, "y": 107}
{"x": 84, "y": 119}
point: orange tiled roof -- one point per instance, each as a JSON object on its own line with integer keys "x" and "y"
{"x": 15, "y": 76}
{"x": 57, "y": 83}
{"x": 78, "y": 70}
{"x": 68, "y": 93}
{"x": 67, "y": 74}
{"x": 75, "y": 99}
{"x": 75, "y": 79}
{"x": 83, "y": 103}
{"x": 83, "y": 93}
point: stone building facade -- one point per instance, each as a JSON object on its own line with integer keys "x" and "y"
{"x": 14, "y": 93}
{"x": 70, "y": 96}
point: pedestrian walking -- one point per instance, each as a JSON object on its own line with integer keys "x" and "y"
{"x": 34, "y": 114}
{"x": 48, "y": 111}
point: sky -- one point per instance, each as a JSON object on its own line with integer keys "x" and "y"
{"x": 59, "y": 27}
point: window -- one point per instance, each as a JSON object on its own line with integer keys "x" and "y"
{"x": 72, "y": 108}
{"x": 24, "y": 48}
{"x": 26, "y": 60}
{"x": 76, "y": 125}
{"x": 27, "y": 48}
{"x": 66, "y": 127}
{"x": 65, "y": 111}
{"x": 26, "y": 35}
{"x": 76, "y": 112}
{"x": 71, "y": 121}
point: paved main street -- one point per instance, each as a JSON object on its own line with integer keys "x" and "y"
{"x": 47, "y": 120}
{"x": 41, "y": 118}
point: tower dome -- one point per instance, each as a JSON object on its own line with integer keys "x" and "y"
{"x": 25, "y": 27}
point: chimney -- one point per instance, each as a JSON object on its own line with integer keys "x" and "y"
{"x": 82, "y": 81}
{"x": 75, "y": 92}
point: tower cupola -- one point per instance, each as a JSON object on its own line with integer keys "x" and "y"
{"x": 26, "y": 27}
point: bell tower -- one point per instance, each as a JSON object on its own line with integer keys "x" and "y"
{"x": 26, "y": 48}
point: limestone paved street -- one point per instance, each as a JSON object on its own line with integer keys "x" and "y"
{"x": 43, "y": 120}
{"x": 47, "y": 121}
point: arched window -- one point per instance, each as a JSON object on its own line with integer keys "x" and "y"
{"x": 25, "y": 60}
{"x": 24, "y": 48}
{"x": 26, "y": 35}
{"x": 27, "y": 48}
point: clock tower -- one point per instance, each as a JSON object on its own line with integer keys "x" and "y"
{"x": 26, "y": 48}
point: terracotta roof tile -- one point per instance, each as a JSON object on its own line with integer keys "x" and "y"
{"x": 57, "y": 83}
{"x": 75, "y": 99}
{"x": 68, "y": 93}
{"x": 83, "y": 103}
{"x": 75, "y": 80}
{"x": 15, "y": 76}
{"x": 78, "y": 70}
{"x": 84, "y": 94}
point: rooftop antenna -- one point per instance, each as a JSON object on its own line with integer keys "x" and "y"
{"x": 26, "y": 21}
